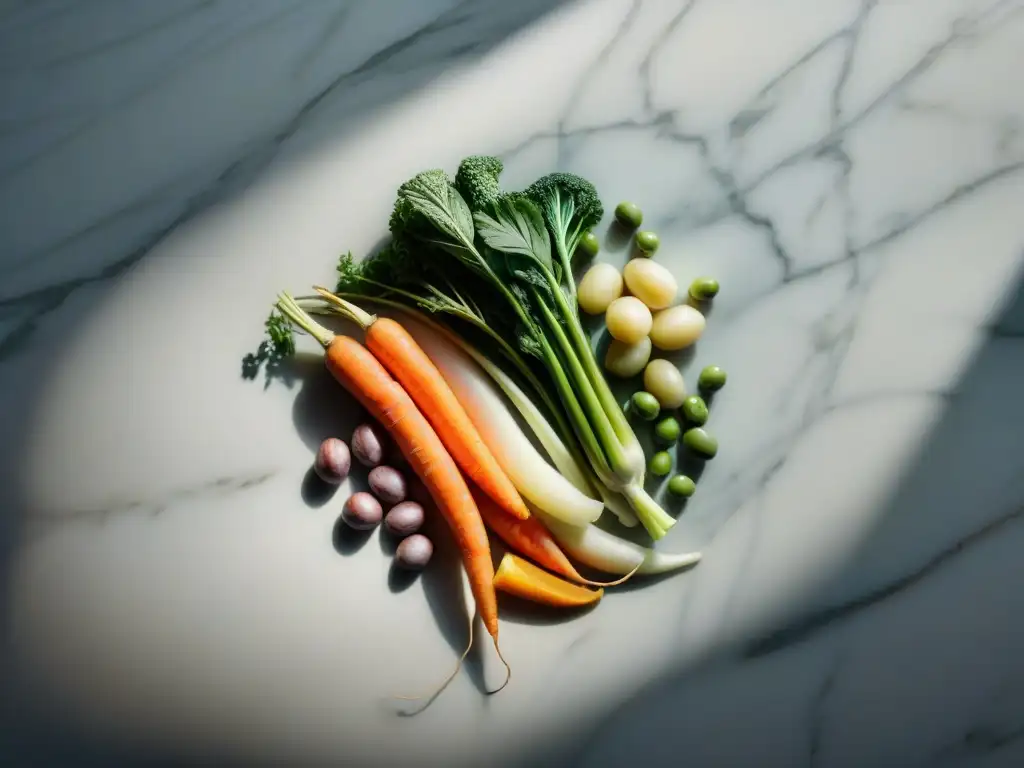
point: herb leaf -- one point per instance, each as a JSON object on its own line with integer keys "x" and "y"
{"x": 517, "y": 228}
{"x": 433, "y": 196}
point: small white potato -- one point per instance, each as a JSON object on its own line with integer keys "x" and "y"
{"x": 663, "y": 380}
{"x": 650, "y": 282}
{"x": 628, "y": 319}
{"x": 677, "y": 327}
{"x": 599, "y": 287}
{"x": 627, "y": 360}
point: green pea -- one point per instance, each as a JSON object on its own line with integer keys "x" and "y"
{"x": 700, "y": 442}
{"x": 660, "y": 464}
{"x": 647, "y": 242}
{"x": 667, "y": 430}
{"x": 682, "y": 486}
{"x": 629, "y": 215}
{"x": 695, "y": 410}
{"x": 589, "y": 244}
{"x": 645, "y": 405}
{"x": 711, "y": 379}
{"x": 704, "y": 288}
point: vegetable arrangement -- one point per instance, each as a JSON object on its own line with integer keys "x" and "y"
{"x": 488, "y": 327}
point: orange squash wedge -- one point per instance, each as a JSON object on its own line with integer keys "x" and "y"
{"x": 522, "y": 578}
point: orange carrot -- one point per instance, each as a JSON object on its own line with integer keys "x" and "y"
{"x": 409, "y": 364}
{"x": 366, "y": 379}
{"x": 524, "y": 579}
{"x": 530, "y": 538}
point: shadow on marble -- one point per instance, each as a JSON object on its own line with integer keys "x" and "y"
{"x": 617, "y": 239}
{"x": 519, "y": 611}
{"x": 322, "y": 407}
{"x": 399, "y": 578}
{"x": 41, "y": 742}
{"x": 445, "y": 593}
{"x": 897, "y": 621}
{"x": 348, "y": 540}
{"x": 644, "y": 583}
{"x": 388, "y": 541}
{"x": 594, "y": 324}
{"x": 683, "y": 360}
{"x": 315, "y": 492}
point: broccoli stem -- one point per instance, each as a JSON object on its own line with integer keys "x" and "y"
{"x": 577, "y": 416}
{"x": 563, "y": 256}
{"x": 655, "y": 519}
{"x": 623, "y": 432}
{"x": 612, "y": 450}
{"x": 558, "y": 230}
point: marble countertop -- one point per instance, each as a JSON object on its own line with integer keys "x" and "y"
{"x": 851, "y": 171}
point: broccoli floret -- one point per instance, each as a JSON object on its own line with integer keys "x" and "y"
{"x": 571, "y": 207}
{"x": 551, "y": 193}
{"x": 477, "y": 180}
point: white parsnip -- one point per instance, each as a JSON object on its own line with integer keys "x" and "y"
{"x": 537, "y": 480}
{"x": 606, "y": 552}
{"x": 580, "y": 476}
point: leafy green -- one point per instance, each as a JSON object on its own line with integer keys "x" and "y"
{"x": 431, "y": 210}
{"x": 516, "y": 228}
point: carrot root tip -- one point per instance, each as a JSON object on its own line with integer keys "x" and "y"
{"x": 508, "y": 670}
{"x": 615, "y": 583}
{"x": 431, "y": 697}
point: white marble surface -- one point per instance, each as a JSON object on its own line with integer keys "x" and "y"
{"x": 852, "y": 172}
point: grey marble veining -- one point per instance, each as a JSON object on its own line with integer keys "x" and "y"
{"x": 122, "y": 123}
{"x": 851, "y": 171}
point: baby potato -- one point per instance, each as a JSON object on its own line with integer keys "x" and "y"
{"x": 387, "y": 484}
{"x": 404, "y": 519}
{"x": 362, "y": 511}
{"x": 627, "y": 360}
{"x": 650, "y": 282}
{"x": 369, "y": 442}
{"x": 663, "y": 380}
{"x": 628, "y": 319}
{"x": 599, "y": 287}
{"x": 333, "y": 460}
{"x": 414, "y": 553}
{"x": 677, "y": 327}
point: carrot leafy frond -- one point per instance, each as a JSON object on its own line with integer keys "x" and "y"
{"x": 278, "y": 345}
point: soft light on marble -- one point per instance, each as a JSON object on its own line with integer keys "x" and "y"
{"x": 851, "y": 172}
